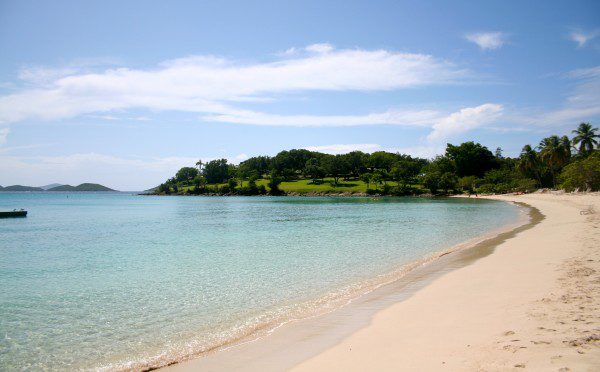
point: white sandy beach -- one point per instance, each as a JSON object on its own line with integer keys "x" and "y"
{"x": 532, "y": 304}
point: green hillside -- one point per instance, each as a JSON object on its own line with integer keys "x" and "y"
{"x": 20, "y": 188}
{"x": 82, "y": 187}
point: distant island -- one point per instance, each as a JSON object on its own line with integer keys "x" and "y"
{"x": 557, "y": 162}
{"x": 50, "y": 186}
{"x": 58, "y": 187}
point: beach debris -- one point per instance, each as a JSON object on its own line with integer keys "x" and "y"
{"x": 583, "y": 340}
{"x": 541, "y": 342}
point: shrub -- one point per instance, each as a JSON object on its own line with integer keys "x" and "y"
{"x": 274, "y": 183}
{"x": 432, "y": 181}
{"x": 232, "y": 184}
{"x": 387, "y": 189}
{"x": 486, "y": 188}
{"x": 525, "y": 185}
{"x": 448, "y": 182}
{"x": 582, "y": 174}
{"x": 503, "y": 188}
{"x": 372, "y": 191}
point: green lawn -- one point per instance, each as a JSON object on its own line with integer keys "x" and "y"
{"x": 306, "y": 186}
{"x": 326, "y": 186}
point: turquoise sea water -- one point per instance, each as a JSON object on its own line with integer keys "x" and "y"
{"x": 113, "y": 281}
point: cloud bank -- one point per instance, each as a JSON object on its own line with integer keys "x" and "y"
{"x": 213, "y": 86}
{"x": 465, "y": 120}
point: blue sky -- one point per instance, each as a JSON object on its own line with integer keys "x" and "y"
{"x": 125, "y": 93}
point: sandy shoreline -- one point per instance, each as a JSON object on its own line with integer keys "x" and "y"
{"x": 532, "y": 303}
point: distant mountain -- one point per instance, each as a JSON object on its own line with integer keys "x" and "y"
{"x": 21, "y": 188}
{"x": 82, "y": 187}
{"x": 50, "y": 186}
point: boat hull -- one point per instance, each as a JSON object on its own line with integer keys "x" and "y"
{"x": 11, "y": 214}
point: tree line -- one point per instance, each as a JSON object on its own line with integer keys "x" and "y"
{"x": 569, "y": 163}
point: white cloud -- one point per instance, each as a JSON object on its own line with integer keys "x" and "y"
{"x": 118, "y": 118}
{"x": 487, "y": 40}
{"x": 582, "y": 38}
{"x": 345, "y": 148}
{"x": 429, "y": 151}
{"x": 290, "y": 51}
{"x": 207, "y": 85}
{"x": 390, "y": 117}
{"x": 239, "y": 158}
{"x": 3, "y": 134}
{"x": 319, "y": 48}
{"x": 422, "y": 151}
{"x": 464, "y": 120}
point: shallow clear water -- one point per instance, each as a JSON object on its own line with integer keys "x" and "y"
{"x": 111, "y": 280}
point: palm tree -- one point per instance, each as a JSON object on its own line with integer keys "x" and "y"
{"x": 199, "y": 166}
{"x": 565, "y": 142}
{"x": 366, "y": 178}
{"x": 585, "y": 137}
{"x": 554, "y": 154}
{"x": 529, "y": 162}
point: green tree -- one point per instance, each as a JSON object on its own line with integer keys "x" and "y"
{"x": 314, "y": 170}
{"x": 217, "y": 171}
{"x": 186, "y": 174}
{"x": 471, "y": 159}
{"x": 529, "y": 163}
{"x": 366, "y": 178}
{"x": 163, "y": 188}
{"x": 383, "y": 175}
{"x": 448, "y": 182}
{"x": 290, "y": 164}
{"x": 258, "y": 165}
{"x": 381, "y": 160}
{"x": 336, "y": 166}
{"x": 377, "y": 179}
{"x": 585, "y": 137}
{"x": 404, "y": 172}
{"x": 356, "y": 162}
{"x": 199, "y": 165}
{"x": 565, "y": 142}
{"x": 274, "y": 183}
{"x": 431, "y": 180}
{"x": 232, "y": 184}
{"x": 554, "y": 154}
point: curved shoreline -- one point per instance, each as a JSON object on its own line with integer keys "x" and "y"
{"x": 531, "y": 304}
{"x": 398, "y": 285}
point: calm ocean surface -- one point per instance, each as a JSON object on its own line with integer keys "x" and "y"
{"x": 112, "y": 280}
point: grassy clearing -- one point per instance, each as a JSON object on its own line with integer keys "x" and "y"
{"x": 307, "y": 186}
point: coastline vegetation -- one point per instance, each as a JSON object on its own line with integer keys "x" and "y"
{"x": 557, "y": 162}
